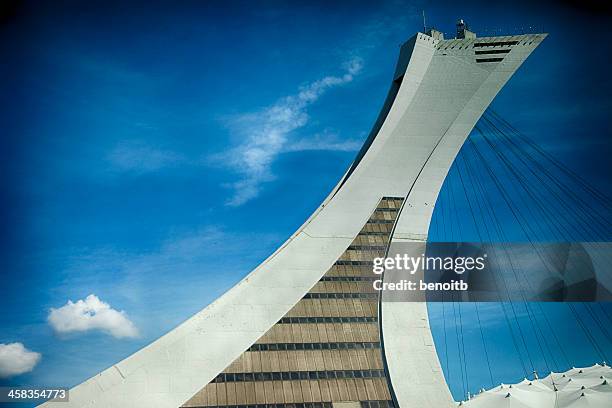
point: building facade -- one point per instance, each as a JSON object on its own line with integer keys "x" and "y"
{"x": 326, "y": 349}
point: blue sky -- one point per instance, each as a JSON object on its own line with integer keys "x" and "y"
{"x": 153, "y": 154}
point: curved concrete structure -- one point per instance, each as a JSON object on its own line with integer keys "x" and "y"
{"x": 469, "y": 87}
{"x": 439, "y": 90}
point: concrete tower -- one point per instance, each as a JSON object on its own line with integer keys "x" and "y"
{"x": 305, "y": 328}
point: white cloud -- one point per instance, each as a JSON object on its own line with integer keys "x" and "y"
{"x": 139, "y": 158}
{"x": 91, "y": 314}
{"x": 267, "y": 134}
{"x": 15, "y": 359}
{"x": 325, "y": 142}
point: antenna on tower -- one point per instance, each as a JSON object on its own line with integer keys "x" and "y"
{"x": 424, "y": 25}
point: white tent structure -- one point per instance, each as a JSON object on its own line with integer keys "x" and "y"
{"x": 576, "y": 388}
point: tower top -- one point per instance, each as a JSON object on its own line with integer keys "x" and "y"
{"x": 463, "y": 31}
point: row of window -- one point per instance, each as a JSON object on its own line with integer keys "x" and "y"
{"x": 287, "y": 405}
{"x": 314, "y": 346}
{"x": 380, "y": 221}
{"x": 386, "y": 210}
{"x": 485, "y": 52}
{"x": 341, "y": 296}
{"x": 348, "y": 262}
{"x": 348, "y": 278}
{"x": 377, "y": 404}
{"x": 367, "y": 247}
{"x": 376, "y": 233}
{"x": 488, "y": 59}
{"x": 297, "y": 375}
{"x": 298, "y": 320}
{"x": 494, "y": 44}
{"x": 364, "y": 404}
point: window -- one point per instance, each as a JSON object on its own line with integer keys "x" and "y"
{"x": 488, "y": 59}
{"x": 494, "y": 44}
{"x": 484, "y": 52}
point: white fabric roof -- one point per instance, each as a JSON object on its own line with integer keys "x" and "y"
{"x": 576, "y": 388}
